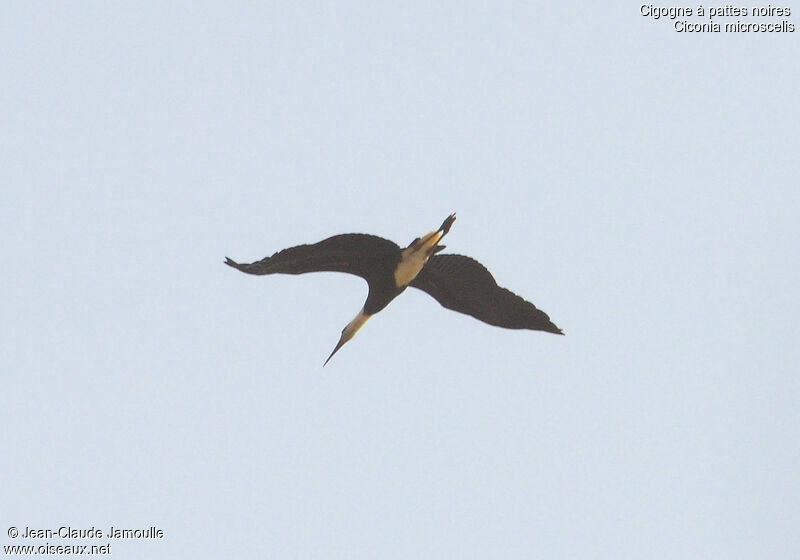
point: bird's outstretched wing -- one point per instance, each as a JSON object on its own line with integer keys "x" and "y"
{"x": 464, "y": 285}
{"x": 354, "y": 253}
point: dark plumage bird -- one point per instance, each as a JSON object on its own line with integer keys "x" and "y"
{"x": 455, "y": 281}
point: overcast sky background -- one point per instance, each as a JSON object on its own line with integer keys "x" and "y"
{"x": 639, "y": 185}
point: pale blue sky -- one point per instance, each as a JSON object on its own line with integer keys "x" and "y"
{"x": 639, "y": 185}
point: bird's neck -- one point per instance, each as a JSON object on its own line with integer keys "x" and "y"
{"x": 355, "y": 325}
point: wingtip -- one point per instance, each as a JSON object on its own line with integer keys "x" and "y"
{"x": 552, "y": 328}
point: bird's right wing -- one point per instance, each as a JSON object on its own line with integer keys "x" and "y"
{"x": 354, "y": 253}
{"x": 464, "y": 285}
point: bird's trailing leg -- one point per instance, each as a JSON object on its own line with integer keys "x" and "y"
{"x": 441, "y": 232}
{"x": 414, "y": 257}
{"x": 445, "y": 227}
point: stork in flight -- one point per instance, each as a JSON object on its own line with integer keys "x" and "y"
{"x": 455, "y": 281}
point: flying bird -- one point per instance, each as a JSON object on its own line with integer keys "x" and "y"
{"x": 455, "y": 281}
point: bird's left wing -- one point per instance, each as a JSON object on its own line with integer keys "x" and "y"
{"x": 353, "y": 253}
{"x": 464, "y": 285}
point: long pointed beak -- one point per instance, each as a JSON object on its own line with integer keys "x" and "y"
{"x": 349, "y": 332}
{"x": 338, "y": 345}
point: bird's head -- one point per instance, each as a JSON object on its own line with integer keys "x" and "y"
{"x": 349, "y": 332}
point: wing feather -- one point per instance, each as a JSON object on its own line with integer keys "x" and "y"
{"x": 465, "y": 285}
{"x": 353, "y": 253}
